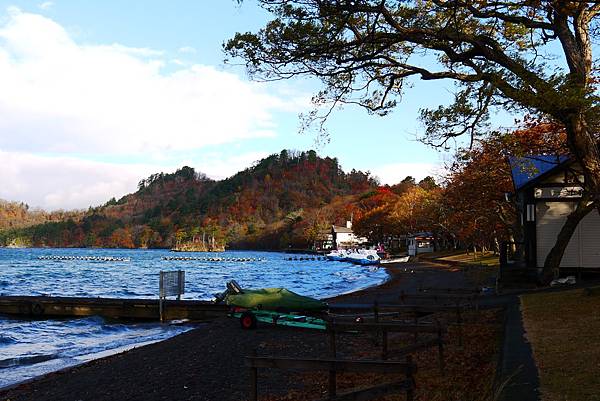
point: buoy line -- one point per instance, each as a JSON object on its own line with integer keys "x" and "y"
{"x": 189, "y": 258}
{"x": 86, "y": 258}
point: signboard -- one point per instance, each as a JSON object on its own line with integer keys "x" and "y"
{"x": 172, "y": 283}
{"x": 572, "y": 192}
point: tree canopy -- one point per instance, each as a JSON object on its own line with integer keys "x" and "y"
{"x": 532, "y": 56}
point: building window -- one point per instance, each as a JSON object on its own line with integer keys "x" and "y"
{"x": 530, "y": 213}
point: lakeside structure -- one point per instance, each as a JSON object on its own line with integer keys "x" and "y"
{"x": 548, "y": 189}
{"x": 339, "y": 237}
{"x": 422, "y": 242}
{"x": 344, "y": 237}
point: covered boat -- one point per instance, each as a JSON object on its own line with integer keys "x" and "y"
{"x": 274, "y": 299}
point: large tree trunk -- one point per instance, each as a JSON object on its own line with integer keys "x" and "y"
{"x": 554, "y": 257}
{"x": 583, "y": 145}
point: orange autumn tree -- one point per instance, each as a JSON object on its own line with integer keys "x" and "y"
{"x": 121, "y": 238}
{"x": 477, "y": 211}
{"x": 375, "y": 220}
{"x": 418, "y": 209}
{"x": 393, "y": 211}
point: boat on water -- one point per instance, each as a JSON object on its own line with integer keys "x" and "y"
{"x": 337, "y": 255}
{"x": 364, "y": 257}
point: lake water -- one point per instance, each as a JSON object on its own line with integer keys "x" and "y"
{"x": 31, "y": 348}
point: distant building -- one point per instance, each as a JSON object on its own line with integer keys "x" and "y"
{"x": 344, "y": 237}
{"x": 547, "y": 191}
{"x": 324, "y": 241}
{"x": 422, "y": 242}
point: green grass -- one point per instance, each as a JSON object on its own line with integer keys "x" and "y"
{"x": 564, "y": 330}
{"x": 486, "y": 259}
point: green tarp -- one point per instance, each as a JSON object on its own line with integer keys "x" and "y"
{"x": 274, "y": 299}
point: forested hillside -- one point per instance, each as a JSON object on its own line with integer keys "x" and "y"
{"x": 283, "y": 200}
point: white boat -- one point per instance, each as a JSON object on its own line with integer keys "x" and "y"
{"x": 364, "y": 257}
{"x": 338, "y": 255}
{"x": 403, "y": 259}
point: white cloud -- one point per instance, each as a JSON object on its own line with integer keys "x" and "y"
{"x": 53, "y": 183}
{"x": 187, "y": 49}
{"x": 60, "y": 96}
{"x": 46, "y": 5}
{"x": 394, "y": 173}
{"x": 67, "y": 182}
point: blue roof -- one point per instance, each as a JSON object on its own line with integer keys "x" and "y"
{"x": 528, "y": 168}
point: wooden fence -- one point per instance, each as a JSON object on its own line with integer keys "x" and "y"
{"x": 335, "y": 366}
{"x": 451, "y": 299}
{"x": 383, "y": 328}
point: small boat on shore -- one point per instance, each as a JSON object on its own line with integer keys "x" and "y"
{"x": 403, "y": 259}
{"x": 364, "y": 257}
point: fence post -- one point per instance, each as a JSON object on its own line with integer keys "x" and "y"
{"x": 254, "y": 380}
{"x": 161, "y": 297}
{"x": 332, "y": 345}
{"x": 376, "y": 318}
{"x": 441, "y": 348}
{"x": 384, "y": 351}
{"x": 410, "y": 393}
{"x": 332, "y": 382}
{"x": 416, "y": 321}
{"x": 460, "y": 328}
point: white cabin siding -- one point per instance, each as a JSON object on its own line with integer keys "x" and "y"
{"x": 583, "y": 249}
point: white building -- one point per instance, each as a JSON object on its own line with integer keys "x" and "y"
{"x": 548, "y": 189}
{"x": 344, "y": 237}
{"x": 420, "y": 243}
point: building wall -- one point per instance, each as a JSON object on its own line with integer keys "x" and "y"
{"x": 583, "y": 249}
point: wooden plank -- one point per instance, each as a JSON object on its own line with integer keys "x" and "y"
{"x": 467, "y": 290}
{"x": 326, "y": 364}
{"x": 390, "y": 327}
{"x": 369, "y": 393}
{"x": 336, "y": 308}
{"x": 450, "y": 298}
{"x": 145, "y": 309}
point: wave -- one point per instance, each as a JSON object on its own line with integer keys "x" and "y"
{"x": 4, "y": 340}
{"x": 26, "y": 360}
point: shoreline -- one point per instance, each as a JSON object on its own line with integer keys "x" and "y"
{"x": 87, "y": 358}
{"x": 226, "y": 343}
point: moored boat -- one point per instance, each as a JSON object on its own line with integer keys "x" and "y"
{"x": 337, "y": 255}
{"x": 403, "y": 259}
{"x": 364, "y": 257}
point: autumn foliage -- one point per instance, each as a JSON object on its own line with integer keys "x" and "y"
{"x": 284, "y": 200}
{"x": 290, "y": 199}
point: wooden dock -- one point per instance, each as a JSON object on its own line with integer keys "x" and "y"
{"x": 41, "y": 307}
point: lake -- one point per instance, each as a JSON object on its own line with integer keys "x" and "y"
{"x": 29, "y": 348}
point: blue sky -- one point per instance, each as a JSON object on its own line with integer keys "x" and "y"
{"x": 103, "y": 93}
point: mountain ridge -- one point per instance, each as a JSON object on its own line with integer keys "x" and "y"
{"x": 280, "y": 201}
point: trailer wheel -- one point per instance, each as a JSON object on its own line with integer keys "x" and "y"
{"x": 248, "y": 321}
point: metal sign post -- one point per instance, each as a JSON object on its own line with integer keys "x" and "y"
{"x": 172, "y": 283}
